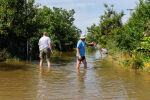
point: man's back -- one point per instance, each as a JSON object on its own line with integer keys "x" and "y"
{"x": 44, "y": 42}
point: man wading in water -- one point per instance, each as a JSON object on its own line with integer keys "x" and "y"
{"x": 81, "y": 46}
{"x": 45, "y": 49}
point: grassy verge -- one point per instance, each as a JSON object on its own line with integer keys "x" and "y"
{"x": 5, "y": 56}
{"x": 134, "y": 60}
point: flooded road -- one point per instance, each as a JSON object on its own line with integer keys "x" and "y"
{"x": 100, "y": 81}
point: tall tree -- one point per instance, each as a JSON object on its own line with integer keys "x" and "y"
{"x": 18, "y": 24}
{"x": 110, "y": 21}
{"x": 59, "y": 23}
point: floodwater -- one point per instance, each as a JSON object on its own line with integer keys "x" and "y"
{"x": 100, "y": 81}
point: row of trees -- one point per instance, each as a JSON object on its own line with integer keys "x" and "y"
{"x": 103, "y": 32}
{"x": 132, "y": 37}
{"x": 22, "y": 24}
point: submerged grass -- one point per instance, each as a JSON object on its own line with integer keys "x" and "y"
{"x": 134, "y": 60}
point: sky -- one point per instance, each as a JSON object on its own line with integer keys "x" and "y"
{"x": 89, "y": 11}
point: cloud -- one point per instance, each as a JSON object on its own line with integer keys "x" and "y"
{"x": 84, "y": 20}
{"x": 61, "y": 1}
{"x": 66, "y": 3}
{"x": 88, "y": 11}
{"x": 82, "y": 5}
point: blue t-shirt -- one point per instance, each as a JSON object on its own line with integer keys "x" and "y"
{"x": 81, "y": 45}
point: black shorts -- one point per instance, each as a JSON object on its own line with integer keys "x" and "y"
{"x": 83, "y": 57}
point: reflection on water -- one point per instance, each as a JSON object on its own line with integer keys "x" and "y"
{"x": 6, "y": 66}
{"x": 100, "y": 81}
{"x": 81, "y": 80}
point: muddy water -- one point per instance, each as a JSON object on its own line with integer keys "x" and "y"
{"x": 100, "y": 81}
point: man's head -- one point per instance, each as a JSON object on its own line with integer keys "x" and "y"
{"x": 44, "y": 34}
{"x": 83, "y": 37}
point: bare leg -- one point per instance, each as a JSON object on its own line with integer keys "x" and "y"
{"x": 40, "y": 70}
{"x": 78, "y": 76}
{"x": 48, "y": 69}
{"x": 78, "y": 72}
{"x": 85, "y": 63}
{"x": 48, "y": 62}
{"x": 41, "y": 62}
{"x": 78, "y": 64}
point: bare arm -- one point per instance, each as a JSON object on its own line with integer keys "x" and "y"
{"x": 50, "y": 46}
{"x": 79, "y": 53}
{"x": 90, "y": 43}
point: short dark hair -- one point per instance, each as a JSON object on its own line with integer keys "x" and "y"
{"x": 45, "y": 33}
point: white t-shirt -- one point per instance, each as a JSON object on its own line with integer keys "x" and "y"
{"x": 44, "y": 42}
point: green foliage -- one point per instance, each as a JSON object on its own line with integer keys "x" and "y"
{"x": 22, "y": 21}
{"x": 133, "y": 37}
{"x": 93, "y": 33}
{"x": 59, "y": 24}
{"x": 4, "y": 54}
{"x": 107, "y": 24}
{"x": 133, "y": 30}
{"x": 17, "y": 25}
{"x": 145, "y": 44}
{"x": 137, "y": 61}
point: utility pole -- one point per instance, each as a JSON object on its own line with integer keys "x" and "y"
{"x": 27, "y": 33}
{"x": 131, "y": 10}
{"x": 28, "y": 39}
{"x": 85, "y": 32}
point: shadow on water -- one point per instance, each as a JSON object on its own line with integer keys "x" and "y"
{"x": 11, "y": 66}
{"x": 57, "y": 61}
{"x": 102, "y": 80}
{"x": 62, "y": 60}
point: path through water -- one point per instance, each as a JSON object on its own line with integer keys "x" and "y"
{"x": 100, "y": 81}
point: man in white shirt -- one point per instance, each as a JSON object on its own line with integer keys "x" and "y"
{"x": 45, "y": 48}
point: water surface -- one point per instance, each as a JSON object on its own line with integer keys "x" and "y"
{"x": 100, "y": 81}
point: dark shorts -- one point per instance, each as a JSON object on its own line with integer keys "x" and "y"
{"x": 44, "y": 52}
{"x": 83, "y": 57}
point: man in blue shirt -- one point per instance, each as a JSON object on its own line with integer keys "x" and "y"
{"x": 81, "y": 46}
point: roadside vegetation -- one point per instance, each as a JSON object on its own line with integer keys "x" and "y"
{"x": 127, "y": 43}
{"x": 22, "y": 24}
